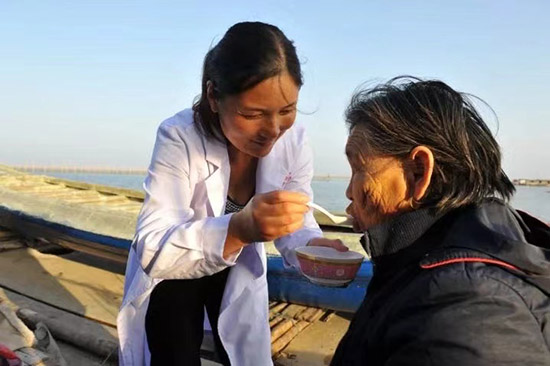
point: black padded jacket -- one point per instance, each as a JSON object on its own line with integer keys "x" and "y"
{"x": 470, "y": 288}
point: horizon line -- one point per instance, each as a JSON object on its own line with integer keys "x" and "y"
{"x": 142, "y": 171}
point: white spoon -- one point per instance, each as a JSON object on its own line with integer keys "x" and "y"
{"x": 334, "y": 218}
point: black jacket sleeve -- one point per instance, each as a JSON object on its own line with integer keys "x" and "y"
{"x": 472, "y": 317}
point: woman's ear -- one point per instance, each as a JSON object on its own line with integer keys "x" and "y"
{"x": 210, "y": 96}
{"x": 422, "y": 167}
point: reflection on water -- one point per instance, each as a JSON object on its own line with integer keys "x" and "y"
{"x": 331, "y": 193}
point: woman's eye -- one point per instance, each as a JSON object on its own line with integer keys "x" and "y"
{"x": 286, "y": 111}
{"x": 252, "y": 116}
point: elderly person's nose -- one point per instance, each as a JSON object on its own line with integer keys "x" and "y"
{"x": 348, "y": 191}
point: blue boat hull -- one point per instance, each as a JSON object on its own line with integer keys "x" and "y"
{"x": 289, "y": 285}
{"x": 284, "y": 284}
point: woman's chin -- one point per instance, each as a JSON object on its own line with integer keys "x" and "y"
{"x": 260, "y": 152}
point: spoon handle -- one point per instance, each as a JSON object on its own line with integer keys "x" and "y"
{"x": 319, "y": 208}
{"x": 334, "y": 218}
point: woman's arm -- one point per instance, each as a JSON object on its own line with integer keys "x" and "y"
{"x": 169, "y": 241}
{"x": 173, "y": 244}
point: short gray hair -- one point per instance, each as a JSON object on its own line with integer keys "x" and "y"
{"x": 407, "y": 112}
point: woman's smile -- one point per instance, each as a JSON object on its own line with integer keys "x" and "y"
{"x": 264, "y": 142}
{"x": 276, "y": 98}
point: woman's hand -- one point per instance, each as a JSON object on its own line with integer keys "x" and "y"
{"x": 266, "y": 217}
{"x": 333, "y": 243}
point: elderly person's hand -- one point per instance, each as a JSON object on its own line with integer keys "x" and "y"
{"x": 332, "y": 243}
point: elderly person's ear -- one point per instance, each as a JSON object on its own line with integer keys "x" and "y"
{"x": 420, "y": 172}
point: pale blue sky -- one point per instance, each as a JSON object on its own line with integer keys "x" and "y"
{"x": 87, "y": 83}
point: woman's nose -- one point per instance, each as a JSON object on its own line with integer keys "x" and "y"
{"x": 272, "y": 128}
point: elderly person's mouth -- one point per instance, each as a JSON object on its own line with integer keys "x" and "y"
{"x": 355, "y": 223}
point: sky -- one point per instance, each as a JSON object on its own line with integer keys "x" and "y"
{"x": 86, "y": 83}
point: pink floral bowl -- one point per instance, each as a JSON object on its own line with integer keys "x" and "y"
{"x": 327, "y": 266}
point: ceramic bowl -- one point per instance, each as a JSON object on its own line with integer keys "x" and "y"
{"x": 327, "y": 266}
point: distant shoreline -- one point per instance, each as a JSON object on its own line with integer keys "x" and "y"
{"x": 122, "y": 171}
{"x": 532, "y": 182}
{"x": 135, "y": 171}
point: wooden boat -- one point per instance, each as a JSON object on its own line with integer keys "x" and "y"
{"x": 78, "y": 296}
{"x": 100, "y": 220}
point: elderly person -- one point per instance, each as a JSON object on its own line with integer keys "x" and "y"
{"x": 460, "y": 277}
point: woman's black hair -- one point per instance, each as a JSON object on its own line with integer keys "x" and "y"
{"x": 407, "y": 112}
{"x": 248, "y": 53}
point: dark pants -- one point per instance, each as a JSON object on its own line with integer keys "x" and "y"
{"x": 175, "y": 319}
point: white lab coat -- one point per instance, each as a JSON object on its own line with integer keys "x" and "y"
{"x": 181, "y": 232}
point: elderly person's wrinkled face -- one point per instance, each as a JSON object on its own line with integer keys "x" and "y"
{"x": 378, "y": 186}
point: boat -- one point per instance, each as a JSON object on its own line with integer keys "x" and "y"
{"x": 68, "y": 221}
{"x": 100, "y": 220}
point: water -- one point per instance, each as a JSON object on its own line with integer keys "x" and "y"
{"x": 130, "y": 181}
{"x": 331, "y": 193}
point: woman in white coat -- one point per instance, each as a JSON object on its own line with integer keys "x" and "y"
{"x": 225, "y": 176}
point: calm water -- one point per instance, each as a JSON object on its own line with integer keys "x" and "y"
{"x": 330, "y": 193}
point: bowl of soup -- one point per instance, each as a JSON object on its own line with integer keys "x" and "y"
{"x": 328, "y": 267}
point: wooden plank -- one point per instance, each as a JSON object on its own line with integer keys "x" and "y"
{"x": 314, "y": 345}
{"x": 275, "y": 320}
{"x": 293, "y": 310}
{"x": 312, "y": 314}
{"x": 327, "y": 316}
{"x": 279, "y": 329}
{"x": 75, "y": 287}
{"x": 278, "y": 308}
{"x": 316, "y": 316}
{"x": 287, "y": 337}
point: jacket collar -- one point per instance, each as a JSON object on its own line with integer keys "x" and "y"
{"x": 491, "y": 230}
{"x": 215, "y": 152}
{"x": 217, "y": 174}
{"x": 398, "y": 233}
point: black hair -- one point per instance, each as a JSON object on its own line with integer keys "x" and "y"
{"x": 248, "y": 53}
{"x": 407, "y": 112}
